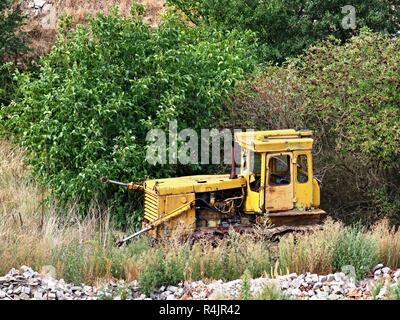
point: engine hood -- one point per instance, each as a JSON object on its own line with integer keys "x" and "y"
{"x": 194, "y": 184}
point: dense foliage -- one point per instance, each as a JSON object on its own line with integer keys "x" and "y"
{"x": 10, "y": 46}
{"x": 286, "y": 27}
{"x": 87, "y": 111}
{"x": 350, "y": 96}
{"x": 104, "y": 86}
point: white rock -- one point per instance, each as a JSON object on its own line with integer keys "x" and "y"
{"x": 180, "y": 292}
{"x": 24, "y": 296}
{"x": 18, "y": 290}
{"x": 26, "y": 290}
{"x": 284, "y": 285}
{"x": 326, "y": 288}
{"x": 377, "y": 267}
{"x": 337, "y": 289}
{"x": 339, "y": 276}
{"x": 333, "y": 297}
{"x": 330, "y": 277}
{"x": 296, "y": 292}
{"x": 39, "y": 3}
{"x": 2, "y": 294}
{"x": 317, "y": 285}
{"x": 60, "y": 295}
{"x": 386, "y": 270}
{"x": 377, "y": 273}
{"x": 314, "y": 278}
{"x": 173, "y": 289}
{"x": 340, "y": 283}
{"x": 51, "y": 295}
{"x": 297, "y": 282}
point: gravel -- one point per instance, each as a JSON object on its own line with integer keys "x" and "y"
{"x": 27, "y": 284}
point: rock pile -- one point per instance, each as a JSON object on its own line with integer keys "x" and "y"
{"x": 304, "y": 286}
{"x": 26, "y": 284}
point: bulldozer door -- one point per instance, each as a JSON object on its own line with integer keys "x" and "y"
{"x": 279, "y": 182}
{"x": 303, "y": 178}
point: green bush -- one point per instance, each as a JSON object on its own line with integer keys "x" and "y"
{"x": 245, "y": 291}
{"x": 271, "y": 291}
{"x": 73, "y": 257}
{"x": 286, "y": 28}
{"x": 355, "y": 248}
{"x": 11, "y": 46}
{"x": 104, "y": 86}
{"x": 161, "y": 268}
{"x": 349, "y": 95}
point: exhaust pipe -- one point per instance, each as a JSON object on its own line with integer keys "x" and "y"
{"x": 233, "y": 174}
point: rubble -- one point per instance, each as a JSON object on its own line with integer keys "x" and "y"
{"x": 337, "y": 286}
{"x": 26, "y": 284}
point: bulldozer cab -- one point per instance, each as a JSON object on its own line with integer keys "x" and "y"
{"x": 277, "y": 166}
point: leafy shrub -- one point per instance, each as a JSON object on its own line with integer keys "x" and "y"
{"x": 245, "y": 291}
{"x": 161, "y": 269}
{"x": 11, "y": 45}
{"x": 349, "y": 96}
{"x": 73, "y": 261}
{"x": 355, "y": 248}
{"x": 104, "y": 86}
{"x": 376, "y": 289}
{"x": 394, "y": 291}
{"x": 286, "y": 28}
{"x": 271, "y": 291}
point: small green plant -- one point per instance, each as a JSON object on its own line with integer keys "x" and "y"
{"x": 245, "y": 292}
{"x": 73, "y": 258}
{"x": 394, "y": 291}
{"x": 153, "y": 274}
{"x": 376, "y": 289}
{"x": 105, "y": 293}
{"x": 355, "y": 248}
{"x": 271, "y": 291}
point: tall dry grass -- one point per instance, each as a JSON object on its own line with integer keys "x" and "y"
{"x": 311, "y": 252}
{"x": 36, "y": 234}
{"x": 82, "y": 250}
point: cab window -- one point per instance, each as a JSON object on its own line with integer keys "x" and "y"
{"x": 302, "y": 168}
{"x": 279, "y": 170}
{"x": 255, "y": 169}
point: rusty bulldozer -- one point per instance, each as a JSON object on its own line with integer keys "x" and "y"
{"x": 275, "y": 187}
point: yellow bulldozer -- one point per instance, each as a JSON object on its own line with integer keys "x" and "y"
{"x": 275, "y": 187}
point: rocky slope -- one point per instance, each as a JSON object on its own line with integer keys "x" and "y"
{"x": 26, "y": 284}
{"x": 43, "y": 16}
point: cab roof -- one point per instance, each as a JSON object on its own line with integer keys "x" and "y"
{"x": 275, "y": 140}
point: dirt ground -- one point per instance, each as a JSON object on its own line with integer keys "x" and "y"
{"x": 42, "y": 17}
